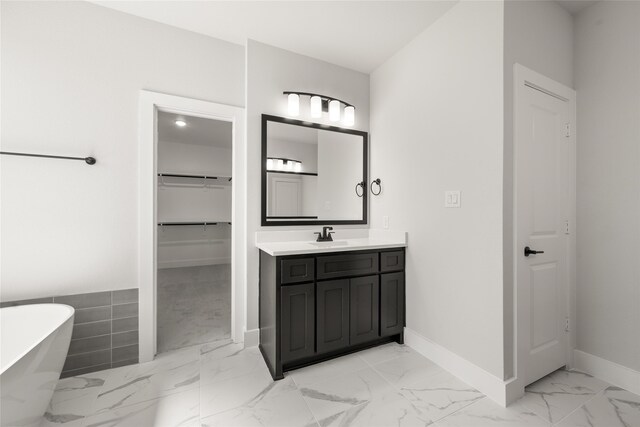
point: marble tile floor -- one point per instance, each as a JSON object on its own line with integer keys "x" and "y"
{"x": 194, "y": 305}
{"x": 224, "y": 385}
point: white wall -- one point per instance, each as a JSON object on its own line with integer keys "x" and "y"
{"x": 270, "y": 71}
{"x": 538, "y": 35}
{"x": 436, "y": 125}
{"x": 71, "y": 72}
{"x": 339, "y": 170}
{"x": 607, "y": 65}
{"x": 304, "y": 152}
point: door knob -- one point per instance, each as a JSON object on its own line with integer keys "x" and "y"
{"x": 528, "y": 251}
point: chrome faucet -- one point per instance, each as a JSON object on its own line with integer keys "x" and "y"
{"x": 324, "y": 236}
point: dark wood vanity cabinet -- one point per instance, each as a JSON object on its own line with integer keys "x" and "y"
{"x": 318, "y": 306}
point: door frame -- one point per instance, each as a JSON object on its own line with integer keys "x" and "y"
{"x": 149, "y": 105}
{"x": 522, "y": 78}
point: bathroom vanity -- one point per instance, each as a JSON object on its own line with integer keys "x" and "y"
{"x": 319, "y": 301}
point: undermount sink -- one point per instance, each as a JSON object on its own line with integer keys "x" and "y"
{"x": 329, "y": 244}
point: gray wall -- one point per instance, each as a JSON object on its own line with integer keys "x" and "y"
{"x": 105, "y": 329}
{"x": 538, "y": 35}
{"x": 71, "y": 75}
{"x": 607, "y": 79}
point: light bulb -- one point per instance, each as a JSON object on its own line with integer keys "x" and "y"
{"x": 180, "y": 123}
{"x": 294, "y": 104}
{"x": 316, "y": 107}
{"x": 349, "y": 115}
{"x": 298, "y": 166}
{"x": 270, "y": 164}
{"x": 280, "y": 165}
{"x": 289, "y": 164}
{"x": 334, "y": 110}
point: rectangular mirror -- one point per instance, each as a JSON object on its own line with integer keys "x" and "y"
{"x": 312, "y": 174}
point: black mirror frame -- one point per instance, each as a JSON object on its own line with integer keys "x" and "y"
{"x": 266, "y": 118}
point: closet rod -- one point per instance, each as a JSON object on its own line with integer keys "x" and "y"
{"x": 88, "y": 160}
{"x": 174, "y": 175}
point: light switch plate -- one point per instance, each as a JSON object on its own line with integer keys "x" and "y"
{"x": 452, "y": 199}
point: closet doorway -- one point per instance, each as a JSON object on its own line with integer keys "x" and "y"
{"x": 191, "y": 198}
{"x": 194, "y": 236}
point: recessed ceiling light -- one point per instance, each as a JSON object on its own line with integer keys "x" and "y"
{"x": 180, "y": 123}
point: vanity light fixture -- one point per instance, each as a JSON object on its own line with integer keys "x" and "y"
{"x": 180, "y": 123}
{"x": 284, "y": 165}
{"x": 334, "y": 110}
{"x": 294, "y": 104}
{"x": 316, "y": 106}
{"x": 319, "y": 104}
{"x": 349, "y": 115}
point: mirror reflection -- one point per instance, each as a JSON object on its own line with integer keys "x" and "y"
{"x": 313, "y": 174}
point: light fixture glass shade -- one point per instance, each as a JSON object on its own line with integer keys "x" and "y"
{"x": 349, "y": 115}
{"x": 298, "y": 167}
{"x": 269, "y": 164}
{"x": 294, "y": 104}
{"x": 334, "y": 110}
{"x": 290, "y": 165}
{"x": 280, "y": 165}
{"x": 316, "y": 107}
{"x": 180, "y": 123}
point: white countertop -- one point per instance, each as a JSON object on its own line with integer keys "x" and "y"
{"x": 279, "y": 243}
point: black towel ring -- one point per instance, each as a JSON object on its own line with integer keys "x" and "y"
{"x": 360, "y": 184}
{"x": 377, "y": 182}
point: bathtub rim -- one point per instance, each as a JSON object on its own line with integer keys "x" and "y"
{"x": 70, "y": 313}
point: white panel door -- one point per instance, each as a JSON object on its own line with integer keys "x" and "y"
{"x": 287, "y": 197}
{"x": 543, "y": 195}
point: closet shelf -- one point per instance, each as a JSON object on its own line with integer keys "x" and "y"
{"x": 161, "y": 224}
{"x": 176, "y": 175}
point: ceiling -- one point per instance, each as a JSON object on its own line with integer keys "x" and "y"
{"x": 360, "y": 35}
{"x": 198, "y": 131}
{"x": 575, "y": 6}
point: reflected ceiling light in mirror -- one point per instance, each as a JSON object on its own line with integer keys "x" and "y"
{"x": 284, "y": 165}
{"x": 318, "y": 104}
{"x": 293, "y": 104}
{"x": 316, "y": 107}
{"x": 180, "y": 123}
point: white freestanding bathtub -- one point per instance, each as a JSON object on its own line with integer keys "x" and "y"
{"x": 34, "y": 341}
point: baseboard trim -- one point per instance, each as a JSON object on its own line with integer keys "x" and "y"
{"x": 251, "y": 338}
{"x": 608, "y": 371}
{"x": 500, "y": 391}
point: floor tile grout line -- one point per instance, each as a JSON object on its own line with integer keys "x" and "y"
{"x": 578, "y": 408}
{"x": 484, "y": 397}
{"x": 304, "y": 399}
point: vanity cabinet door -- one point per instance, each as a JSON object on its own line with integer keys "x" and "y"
{"x": 332, "y": 303}
{"x": 364, "y": 308}
{"x": 391, "y": 303}
{"x": 297, "y": 322}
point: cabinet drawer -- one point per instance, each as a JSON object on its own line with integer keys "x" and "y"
{"x": 334, "y": 266}
{"x": 392, "y": 261}
{"x": 296, "y": 270}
